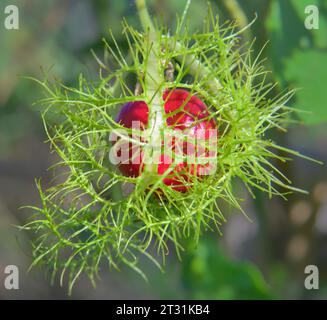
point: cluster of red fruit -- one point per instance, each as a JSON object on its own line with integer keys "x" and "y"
{"x": 184, "y": 112}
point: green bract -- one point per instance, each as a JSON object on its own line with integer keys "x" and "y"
{"x": 85, "y": 220}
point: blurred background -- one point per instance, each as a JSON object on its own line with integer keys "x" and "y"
{"x": 260, "y": 260}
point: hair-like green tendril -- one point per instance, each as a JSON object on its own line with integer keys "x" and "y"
{"x": 85, "y": 219}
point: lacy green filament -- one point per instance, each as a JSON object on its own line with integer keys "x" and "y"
{"x": 85, "y": 220}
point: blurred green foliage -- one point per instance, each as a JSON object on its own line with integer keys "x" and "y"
{"x": 208, "y": 273}
{"x": 299, "y": 55}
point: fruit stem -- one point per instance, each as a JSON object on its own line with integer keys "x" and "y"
{"x": 153, "y": 81}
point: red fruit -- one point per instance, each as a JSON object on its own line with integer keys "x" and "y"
{"x": 191, "y": 118}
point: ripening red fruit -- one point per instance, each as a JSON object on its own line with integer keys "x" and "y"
{"x": 191, "y": 119}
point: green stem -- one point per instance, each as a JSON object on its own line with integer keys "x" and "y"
{"x": 237, "y": 13}
{"x": 154, "y": 78}
{"x": 197, "y": 68}
{"x": 143, "y": 12}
